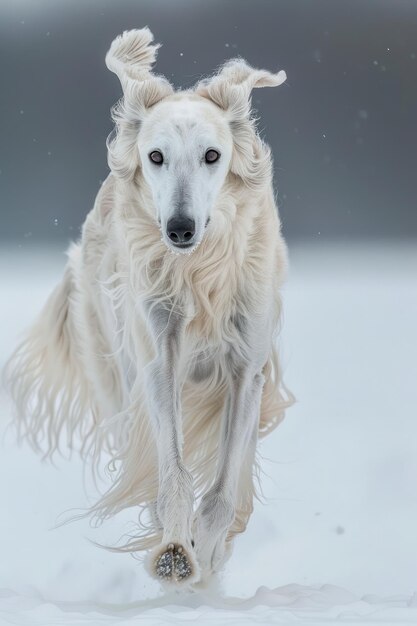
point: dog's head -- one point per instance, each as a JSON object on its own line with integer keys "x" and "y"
{"x": 184, "y": 143}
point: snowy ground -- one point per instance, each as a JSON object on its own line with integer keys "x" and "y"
{"x": 337, "y": 540}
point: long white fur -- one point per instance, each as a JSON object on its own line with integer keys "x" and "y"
{"x": 88, "y": 371}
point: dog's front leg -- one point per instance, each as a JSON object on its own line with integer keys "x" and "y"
{"x": 237, "y": 446}
{"x": 217, "y": 509}
{"x": 174, "y": 560}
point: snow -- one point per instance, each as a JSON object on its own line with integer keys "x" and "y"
{"x": 335, "y": 541}
{"x": 285, "y": 605}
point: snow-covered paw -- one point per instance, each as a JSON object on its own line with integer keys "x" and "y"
{"x": 174, "y": 564}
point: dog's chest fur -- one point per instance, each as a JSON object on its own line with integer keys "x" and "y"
{"x": 218, "y": 287}
{"x": 215, "y": 285}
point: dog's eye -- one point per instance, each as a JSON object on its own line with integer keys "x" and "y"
{"x": 156, "y": 157}
{"x": 212, "y": 156}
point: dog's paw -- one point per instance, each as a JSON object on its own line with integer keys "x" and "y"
{"x": 212, "y": 554}
{"x": 210, "y": 528}
{"x": 173, "y": 564}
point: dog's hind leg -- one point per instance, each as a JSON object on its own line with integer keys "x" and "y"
{"x": 174, "y": 560}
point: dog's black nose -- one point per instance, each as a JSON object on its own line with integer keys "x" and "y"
{"x": 181, "y": 230}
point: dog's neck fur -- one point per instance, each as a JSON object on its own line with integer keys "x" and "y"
{"x": 209, "y": 284}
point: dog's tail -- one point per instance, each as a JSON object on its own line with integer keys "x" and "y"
{"x": 50, "y": 395}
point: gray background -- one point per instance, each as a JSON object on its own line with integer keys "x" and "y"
{"x": 343, "y": 128}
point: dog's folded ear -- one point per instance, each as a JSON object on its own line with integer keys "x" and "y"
{"x": 231, "y": 87}
{"x": 131, "y": 57}
{"x": 132, "y": 54}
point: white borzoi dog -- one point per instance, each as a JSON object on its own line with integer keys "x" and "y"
{"x": 158, "y": 346}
